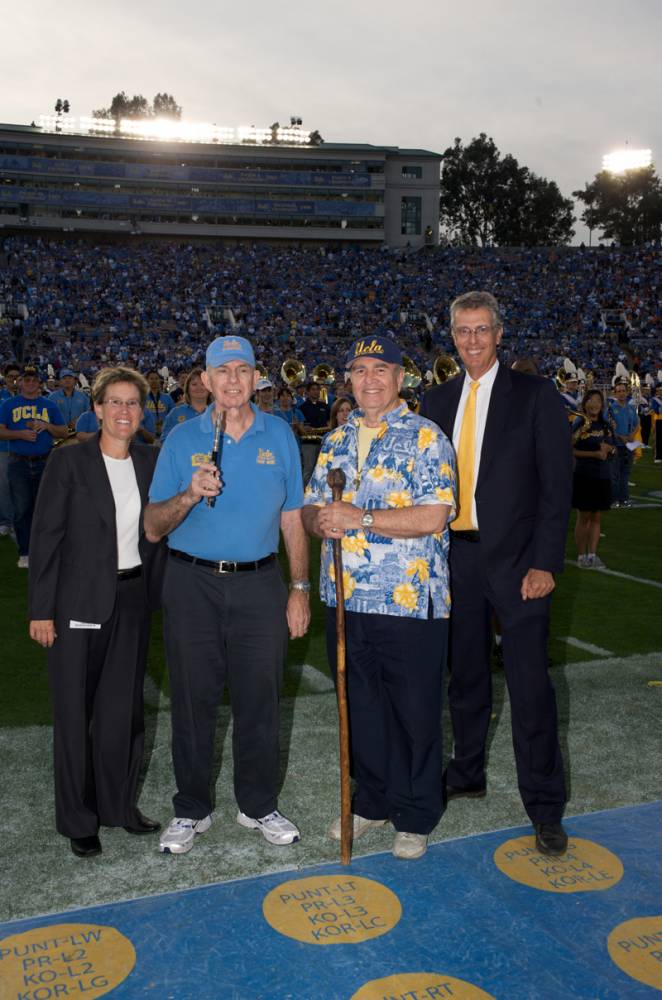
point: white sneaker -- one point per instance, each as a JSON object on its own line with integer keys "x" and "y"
{"x": 179, "y": 837}
{"x": 22, "y": 562}
{"x": 360, "y": 825}
{"x": 583, "y": 561}
{"x": 596, "y": 562}
{"x": 5, "y": 529}
{"x": 275, "y": 828}
{"x": 409, "y": 846}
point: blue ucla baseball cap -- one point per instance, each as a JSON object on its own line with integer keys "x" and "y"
{"x": 65, "y": 372}
{"x": 382, "y": 348}
{"x": 229, "y": 348}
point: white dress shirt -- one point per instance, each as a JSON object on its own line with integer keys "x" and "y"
{"x": 483, "y": 394}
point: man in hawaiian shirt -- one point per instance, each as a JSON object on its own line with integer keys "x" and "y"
{"x": 399, "y": 496}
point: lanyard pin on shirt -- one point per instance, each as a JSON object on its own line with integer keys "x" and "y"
{"x": 217, "y": 447}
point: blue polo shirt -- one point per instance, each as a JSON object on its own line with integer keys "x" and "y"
{"x": 177, "y": 416}
{"x": 16, "y": 413}
{"x": 261, "y": 476}
{"x": 71, "y": 406}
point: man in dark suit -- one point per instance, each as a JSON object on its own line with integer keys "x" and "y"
{"x": 514, "y": 453}
{"x": 94, "y": 578}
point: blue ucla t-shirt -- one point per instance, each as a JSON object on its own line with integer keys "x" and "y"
{"x": 17, "y": 412}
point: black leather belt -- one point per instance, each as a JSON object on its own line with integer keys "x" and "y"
{"x": 466, "y": 536}
{"x": 222, "y": 565}
{"x": 129, "y": 574}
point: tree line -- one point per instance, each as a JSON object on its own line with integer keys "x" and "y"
{"x": 490, "y": 200}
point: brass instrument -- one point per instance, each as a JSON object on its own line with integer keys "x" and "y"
{"x": 582, "y": 429}
{"x": 412, "y": 378}
{"x": 445, "y": 368}
{"x": 324, "y": 375}
{"x": 567, "y": 372}
{"x": 293, "y": 372}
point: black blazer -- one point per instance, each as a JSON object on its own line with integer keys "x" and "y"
{"x": 73, "y": 541}
{"x": 524, "y": 484}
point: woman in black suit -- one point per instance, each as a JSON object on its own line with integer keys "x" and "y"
{"x": 94, "y": 579}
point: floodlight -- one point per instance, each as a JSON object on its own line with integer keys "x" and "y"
{"x": 626, "y": 159}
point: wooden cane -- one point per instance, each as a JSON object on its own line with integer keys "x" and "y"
{"x": 336, "y": 480}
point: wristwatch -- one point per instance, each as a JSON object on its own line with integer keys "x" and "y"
{"x": 303, "y": 585}
{"x": 367, "y": 520}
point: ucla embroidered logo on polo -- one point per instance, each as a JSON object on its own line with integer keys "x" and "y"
{"x": 199, "y": 458}
{"x": 374, "y": 347}
{"x": 265, "y": 457}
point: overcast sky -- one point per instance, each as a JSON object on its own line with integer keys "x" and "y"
{"x": 556, "y": 84}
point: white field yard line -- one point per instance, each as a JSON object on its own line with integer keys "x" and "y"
{"x": 315, "y": 680}
{"x": 587, "y": 647}
{"x": 623, "y": 576}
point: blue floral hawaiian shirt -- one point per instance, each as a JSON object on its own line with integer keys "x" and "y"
{"x": 410, "y": 462}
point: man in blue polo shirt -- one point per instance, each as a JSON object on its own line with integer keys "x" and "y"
{"x": 626, "y": 423}
{"x": 70, "y": 401}
{"x": 29, "y": 422}
{"x": 226, "y": 607}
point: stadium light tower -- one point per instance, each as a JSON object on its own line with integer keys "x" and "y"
{"x": 626, "y": 159}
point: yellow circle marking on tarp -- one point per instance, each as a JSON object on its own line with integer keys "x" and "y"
{"x": 421, "y": 986}
{"x": 87, "y": 959}
{"x": 636, "y": 947}
{"x": 585, "y": 867}
{"x": 332, "y": 909}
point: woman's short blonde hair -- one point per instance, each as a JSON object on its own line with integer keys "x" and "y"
{"x": 111, "y": 376}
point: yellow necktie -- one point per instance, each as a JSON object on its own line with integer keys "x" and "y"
{"x": 465, "y": 464}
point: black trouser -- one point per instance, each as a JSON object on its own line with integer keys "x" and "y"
{"x": 225, "y": 629}
{"x": 524, "y": 630}
{"x": 395, "y": 676}
{"x": 658, "y": 439}
{"x": 96, "y": 679}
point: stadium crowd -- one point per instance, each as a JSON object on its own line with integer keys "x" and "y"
{"x": 151, "y": 304}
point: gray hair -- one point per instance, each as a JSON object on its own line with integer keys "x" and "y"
{"x": 477, "y": 300}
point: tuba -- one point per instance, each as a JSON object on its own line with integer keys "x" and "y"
{"x": 412, "y": 378}
{"x": 324, "y": 375}
{"x": 293, "y": 372}
{"x": 445, "y": 368}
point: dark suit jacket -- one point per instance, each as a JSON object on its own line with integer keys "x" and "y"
{"x": 73, "y": 542}
{"x": 524, "y": 484}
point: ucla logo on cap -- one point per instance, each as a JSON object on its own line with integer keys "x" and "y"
{"x": 361, "y": 348}
{"x": 382, "y": 348}
{"x": 231, "y": 345}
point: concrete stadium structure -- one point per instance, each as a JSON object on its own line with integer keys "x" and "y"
{"x": 276, "y": 190}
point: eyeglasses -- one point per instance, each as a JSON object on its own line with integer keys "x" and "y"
{"x": 464, "y": 332}
{"x": 118, "y": 404}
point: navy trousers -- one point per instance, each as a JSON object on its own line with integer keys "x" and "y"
{"x": 395, "y": 678}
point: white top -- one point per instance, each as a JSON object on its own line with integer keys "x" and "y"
{"x": 126, "y": 495}
{"x": 483, "y": 394}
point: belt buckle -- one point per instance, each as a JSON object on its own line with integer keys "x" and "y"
{"x": 222, "y": 563}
